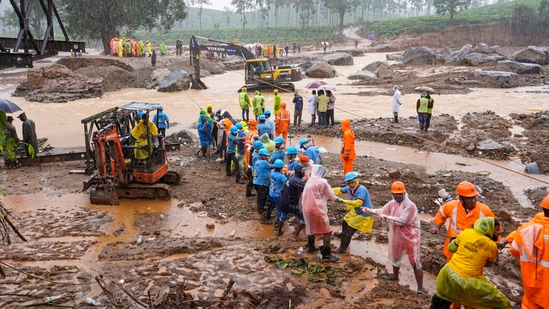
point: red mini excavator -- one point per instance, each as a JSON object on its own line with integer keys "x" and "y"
{"x": 120, "y": 172}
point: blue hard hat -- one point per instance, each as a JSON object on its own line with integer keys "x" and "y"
{"x": 267, "y": 112}
{"x": 279, "y": 140}
{"x": 258, "y": 145}
{"x": 161, "y": 108}
{"x": 278, "y": 163}
{"x": 234, "y": 129}
{"x": 292, "y": 150}
{"x": 238, "y": 125}
{"x": 263, "y": 152}
{"x": 242, "y": 135}
{"x": 261, "y": 118}
{"x": 302, "y": 142}
{"x": 350, "y": 176}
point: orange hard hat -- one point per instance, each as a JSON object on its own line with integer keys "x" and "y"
{"x": 398, "y": 187}
{"x": 252, "y": 121}
{"x": 545, "y": 202}
{"x": 466, "y": 189}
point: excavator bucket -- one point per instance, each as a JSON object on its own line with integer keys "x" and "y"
{"x": 103, "y": 196}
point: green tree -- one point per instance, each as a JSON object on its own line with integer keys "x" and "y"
{"x": 241, "y": 7}
{"x": 341, "y": 7}
{"x": 200, "y": 4}
{"x": 105, "y": 19}
{"x": 450, "y": 7}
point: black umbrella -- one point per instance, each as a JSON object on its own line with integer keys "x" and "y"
{"x": 8, "y": 106}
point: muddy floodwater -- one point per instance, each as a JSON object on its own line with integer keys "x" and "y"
{"x": 60, "y": 122}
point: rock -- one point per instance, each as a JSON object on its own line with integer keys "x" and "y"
{"x": 174, "y": 81}
{"x": 458, "y": 57}
{"x": 339, "y": 59}
{"x": 373, "y": 66}
{"x": 393, "y": 57}
{"x": 476, "y": 59}
{"x": 489, "y": 145}
{"x": 497, "y": 78}
{"x": 321, "y": 70}
{"x": 504, "y": 214}
{"x": 533, "y": 54}
{"x": 482, "y": 48}
{"x": 419, "y": 55}
{"x": 362, "y": 75}
{"x": 518, "y": 67}
{"x": 384, "y": 71}
{"x": 158, "y": 74}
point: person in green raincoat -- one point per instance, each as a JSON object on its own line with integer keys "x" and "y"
{"x": 277, "y": 102}
{"x": 10, "y": 143}
{"x": 258, "y": 103}
{"x": 162, "y": 47}
{"x": 355, "y": 219}
{"x": 244, "y": 101}
{"x": 461, "y": 280}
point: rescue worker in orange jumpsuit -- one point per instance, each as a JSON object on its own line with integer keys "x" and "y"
{"x": 283, "y": 122}
{"x": 529, "y": 245}
{"x": 462, "y": 213}
{"x": 348, "y": 153}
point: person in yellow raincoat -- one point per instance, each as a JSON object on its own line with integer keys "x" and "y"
{"x": 461, "y": 280}
{"x": 144, "y": 133}
{"x": 149, "y": 48}
{"x": 356, "y": 218}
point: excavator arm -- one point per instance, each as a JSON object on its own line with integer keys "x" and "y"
{"x": 196, "y": 48}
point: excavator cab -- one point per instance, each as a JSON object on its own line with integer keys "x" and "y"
{"x": 130, "y": 157}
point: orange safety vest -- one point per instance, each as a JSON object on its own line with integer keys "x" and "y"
{"x": 530, "y": 246}
{"x": 282, "y": 120}
{"x": 459, "y": 219}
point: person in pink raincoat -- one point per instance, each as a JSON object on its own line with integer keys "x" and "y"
{"x": 315, "y": 210}
{"x": 404, "y": 232}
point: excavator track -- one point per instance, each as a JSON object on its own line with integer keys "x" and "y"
{"x": 158, "y": 191}
{"x": 172, "y": 177}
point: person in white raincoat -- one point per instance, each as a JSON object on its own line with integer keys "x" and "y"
{"x": 404, "y": 232}
{"x": 314, "y": 201}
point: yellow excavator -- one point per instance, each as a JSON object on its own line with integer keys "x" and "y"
{"x": 258, "y": 72}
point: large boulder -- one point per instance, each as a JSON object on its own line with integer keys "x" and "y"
{"x": 338, "y": 59}
{"x": 458, "y": 57}
{"x": 476, "y": 59}
{"x": 380, "y": 68}
{"x": 419, "y": 55}
{"x": 533, "y": 54}
{"x": 177, "y": 80}
{"x": 518, "y": 67}
{"x": 321, "y": 70}
{"x": 497, "y": 78}
{"x": 362, "y": 75}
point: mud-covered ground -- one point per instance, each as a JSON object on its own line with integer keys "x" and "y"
{"x": 170, "y": 268}
{"x": 70, "y": 242}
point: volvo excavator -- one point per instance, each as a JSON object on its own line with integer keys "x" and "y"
{"x": 258, "y": 72}
{"x": 124, "y": 168}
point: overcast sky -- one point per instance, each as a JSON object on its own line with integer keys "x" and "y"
{"x": 219, "y": 4}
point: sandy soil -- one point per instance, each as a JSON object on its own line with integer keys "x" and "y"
{"x": 71, "y": 242}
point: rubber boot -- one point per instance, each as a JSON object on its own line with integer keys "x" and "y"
{"x": 311, "y": 244}
{"x": 345, "y": 241}
{"x": 396, "y": 119}
{"x": 279, "y": 231}
{"x": 327, "y": 255}
{"x": 276, "y": 225}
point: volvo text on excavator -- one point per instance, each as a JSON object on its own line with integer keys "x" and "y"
{"x": 258, "y": 72}
{"x": 130, "y": 158}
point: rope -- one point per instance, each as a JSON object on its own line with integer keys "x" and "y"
{"x": 464, "y": 154}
